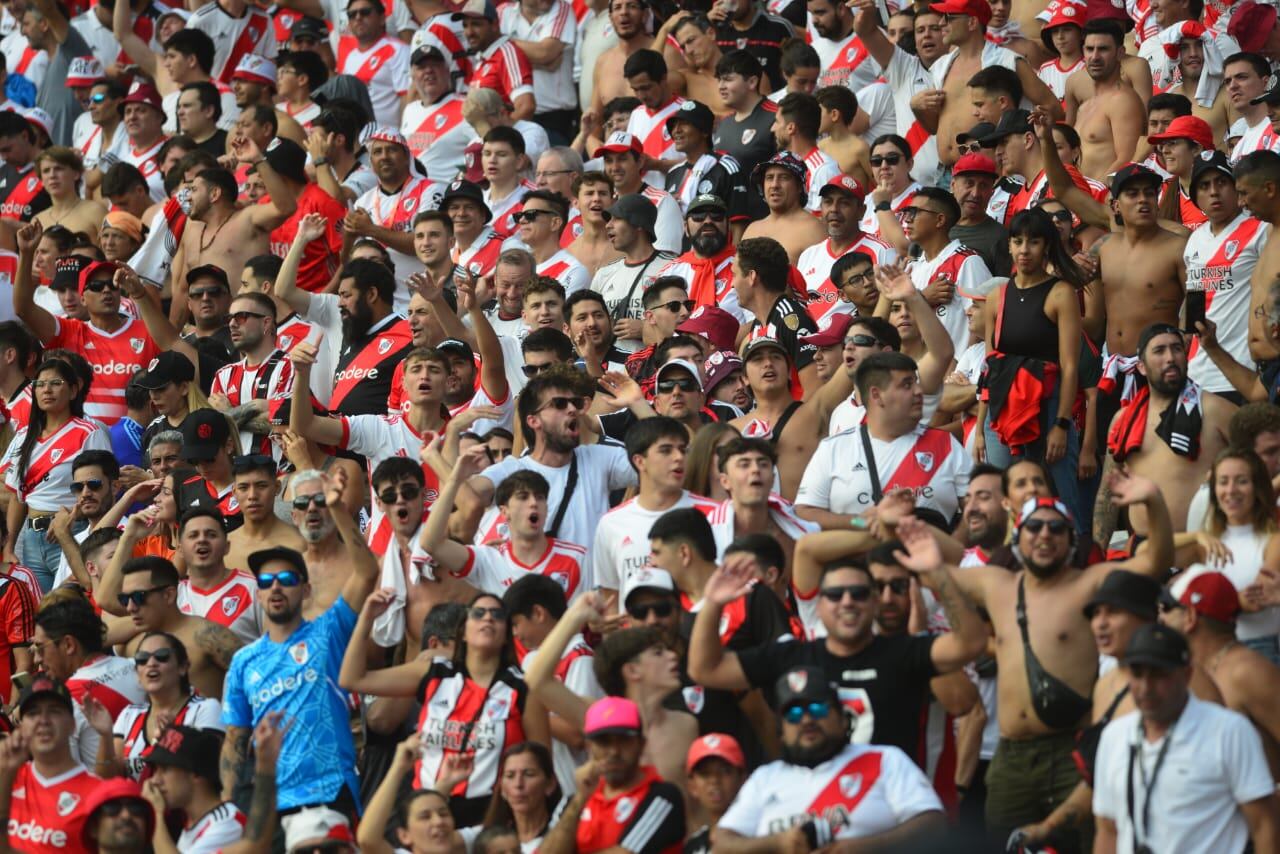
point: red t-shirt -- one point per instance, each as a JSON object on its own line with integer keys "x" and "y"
{"x": 646, "y": 819}
{"x": 320, "y": 258}
{"x": 46, "y": 816}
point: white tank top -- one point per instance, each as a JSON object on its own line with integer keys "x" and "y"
{"x": 1247, "y": 547}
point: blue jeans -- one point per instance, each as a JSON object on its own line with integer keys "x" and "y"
{"x": 39, "y": 555}
{"x": 1065, "y": 472}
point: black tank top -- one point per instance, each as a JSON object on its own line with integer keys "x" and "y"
{"x": 1025, "y": 330}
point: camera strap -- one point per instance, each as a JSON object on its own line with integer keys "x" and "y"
{"x": 1148, "y": 786}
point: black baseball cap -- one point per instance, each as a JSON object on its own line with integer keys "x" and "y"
{"x": 288, "y": 158}
{"x": 978, "y": 132}
{"x": 188, "y": 748}
{"x": 1209, "y": 161}
{"x": 458, "y": 346}
{"x": 210, "y": 271}
{"x": 1014, "y": 121}
{"x": 1157, "y": 645}
{"x": 310, "y": 28}
{"x": 705, "y": 202}
{"x": 755, "y": 345}
{"x": 469, "y": 190}
{"x": 425, "y": 52}
{"x": 635, "y": 210}
{"x": 1128, "y": 591}
{"x": 204, "y": 433}
{"x": 66, "y": 271}
{"x": 46, "y": 686}
{"x": 1128, "y": 174}
{"x": 1271, "y": 97}
{"x": 262, "y": 557}
{"x": 804, "y": 685}
{"x": 169, "y": 367}
{"x": 695, "y": 113}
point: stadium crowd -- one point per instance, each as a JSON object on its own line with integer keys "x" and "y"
{"x": 639, "y": 426}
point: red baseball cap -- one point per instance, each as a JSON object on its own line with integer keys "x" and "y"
{"x": 1251, "y": 25}
{"x": 979, "y": 9}
{"x": 713, "y": 323}
{"x": 974, "y": 162}
{"x": 831, "y": 330}
{"x": 1209, "y": 593}
{"x": 87, "y": 274}
{"x": 715, "y": 745}
{"x": 620, "y": 142}
{"x": 844, "y": 184}
{"x": 1193, "y": 128}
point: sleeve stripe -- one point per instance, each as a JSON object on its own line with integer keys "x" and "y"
{"x": 646, "y": 826}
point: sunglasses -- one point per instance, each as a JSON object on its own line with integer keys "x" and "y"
{"x": 661, "y": 610}
{"x": 563, "y": 403}
{"x": 287, "y": 578}
{"x": 135, "y": 808}
{"x": 530, "y": 215}
{"x": 886, "y": 160}
{"x": 899, "y": 586}
{"x": 859, "y": 592}
{"x": 1057, "y": 527}
{"x": 685, "y": 384}
{"x": 816, "y": 711}
{"x": 93, "y": 484}
{"x": 251, "y": 462}
{"x": 302, "y": 502}
{"x": 970, "y": 148}
{"x": 139, "y": 597}
{"x": 97, "y": 286}
{"x": 362, "y": 12}
{"x": 243, "y": 316}
{"x": 675, "y": 305}
{"x": 478, "y": 612}
{"x": 703, "y": 216}
{"x": 205, "y": 293}
{"x": 533, "y": 370}
{"x": 97, "y": 98}
{"x": 863, "y": 341}
{"x": 1060, "y": 216}
{"x": 408, "y": 492}
{"x": 161, "y": 655}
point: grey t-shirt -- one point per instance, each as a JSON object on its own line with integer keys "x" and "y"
{"x": 990, "y": 240}
{"x": 55, "y": 97}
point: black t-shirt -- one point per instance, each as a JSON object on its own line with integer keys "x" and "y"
{"x": 763, "y": 39}
{"x": 750, "y": 142}
{"x": 699, "y": 842}
{"x": 216, "y": 144}
{"x": 720, "y": 175}
{"x": 886, "y": 685}
{"x": 22, "y": 196}
{"x": 789, "y": 323}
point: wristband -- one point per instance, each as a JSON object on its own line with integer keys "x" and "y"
{"x": 858, "y": 523}
{"x": 883, "y": 206}
{"x": 323, "y": 161}
{"x": 1064, "y": 423}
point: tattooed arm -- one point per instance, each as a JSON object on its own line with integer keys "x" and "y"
{"x": 1104, "y": 508}
{"x": 218, "y": 642}
{"x": 235, "y": 753}
{"x": 268, "y": 735}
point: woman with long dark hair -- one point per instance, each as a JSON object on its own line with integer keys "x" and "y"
{"x": 1033, "y": 357}
{"x": 474, "y": 705}
{"x": 423, "y": 821}
{"x": 527, "y": 794}
{"x": 37, "y": 466}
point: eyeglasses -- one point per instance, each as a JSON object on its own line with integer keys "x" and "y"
{"x": 479, "y": 612}
{"x": 141, "y": 657}
{"x": 859, "y": 278}
{"x": 205, "y": 293}
{"x": 533, "y": 370}
{"x": 531, "y": 215}
{"x": 243, "y": 316}
{"x": 93, "y": 484}
{"x": 703, "y": 216}
{"x": 286, "y": 577}
{"x": 302, "y": 502}
{"x": 53, "y": 384}
{"x": 911, "y": 212}
{"x": 139, "y": 597}
{"x": 250, "y": 462}
{"x": 362, "y": 12}
{"x": 38, "y": 648}
{"x": 859, "y": 592}
{"x": 899, "y": 586}
{"x": 886, "y": 160}
{"x": 550, "y": 172}
{"x": 816, "y": 711}
{"x": 563, "y": 403}
{"x": 97, "y": 98}
{"x": 661, "y": 610}
{"x": 685, "y": 384}
{"x": 408, "y": 492}
{"x": 133, "y": 806}
{"x": 675, "y": 305}
{"x": 1057, "y": 527}
{"x": 97, "y": 286}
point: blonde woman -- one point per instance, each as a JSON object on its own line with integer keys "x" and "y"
{"x": 62, "y": 170}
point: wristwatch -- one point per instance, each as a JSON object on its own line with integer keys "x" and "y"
{"x": 1064, "y": 423}
{"x": 883, "y": 206}
{"x": 323, "y": 161}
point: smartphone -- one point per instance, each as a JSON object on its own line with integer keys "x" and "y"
{"x": 21, "y": 680}
{"x": 1195, "y": 310}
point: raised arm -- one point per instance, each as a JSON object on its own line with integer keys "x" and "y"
{"x": 968, "y": 636}
{"x": 1035, "y": 90}
{"x": 450, "y": 555}
{"x": 541, "y": 675}
{"x": 381, "y": 808}
{"x": 710, "y": 664}
{"x": 43, "y": 324}
{"x": 399, "y": 681}
{"x": 112, "y": 578}
{"x": 815, "y": 550}
{"x": 310, "y": 227}
{"x": 159, "y": 327}
{"x": 364, "y": 566}
{"x": 1090, "y": 210}
{"x": 268, "y": 736}
{"x": 137, "y": 49}
{"x": 896, "y": 286}
{"x": 302, "y": 420}
{"x": 493, "y": 365}
{"x": 59, "y": 26}
{"x": 866, "y": 23}
{"x": 1127, "y": 489}
{"x": 283, "y": 200}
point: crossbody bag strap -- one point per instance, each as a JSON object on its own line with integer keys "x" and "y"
{"x": 876, "y": 492}
{"x": 569, "y": 487}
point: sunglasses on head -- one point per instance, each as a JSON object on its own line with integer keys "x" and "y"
{"x": 886, "y": 160}
{"x": 302, "y": 502}
{"x": 1057, "y": 527}
{"x": 661, "y": 610}
{"x": 675, "y": 305}
{"x": 93, "y": 484}
{"x": 97, "y": 286}
{"x": 703, "y": 216}
{"x": 899, "y": 586}
{"x": 685, "y": 384}
{"x": 795, "y": 713}
{"x": 139, "y": 597}
{"x": 479, "y": 612}
{"x": 141, "y": 657}
{"x": 563, "y": 403}
{"x": 286, "y": 577}
{"x": 859, "y": 592}
{"x": 407, "y": 492}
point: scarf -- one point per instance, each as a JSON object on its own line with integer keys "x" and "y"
{"x": 1117, "y": 370}
{"x": 388, "y": 628}
{"x": 1211, "y": 74}
{"x": 702, "y": 286}
{"x": 1179, "y": 425}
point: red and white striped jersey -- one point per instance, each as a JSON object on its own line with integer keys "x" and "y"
{"x": 504, "y": 68}
{"x": 45, "y": 485}
{"x": 815, "y": 265}
{"x": 291, "y": 332}
{"x": 232, "y": 604}
{"x": 131, "y": 728}
{"x": 32, "y": 63}
{"x": 844, "y": 63}
{"x": 650, "y": 127}
{"x": 1259, "y": 137}
{"x": 378, "y": 438}
{"x": 1221, "y": 265}
{"x": 113, "y": 682}
{"x": 553, "y": 89}
{"x": 480, "y": 258}
{"x": 114, "y": 357}
{"x": 963, "y": 267}
{"x": 383, "y": 69}
{"x": 438, "y": 135}
{"x": 870, "y": 225}
{"x": 503, "y": 221}
{"x": 147, "y": 164}
{"x": 219, "y": 827}
{"x": 670, "y": 224}
{"x": 305, "y": 116}
{"x": 395, "y": 211}
{"x": 241, "y": 382}
{"x": 233, "y": 38}
{"x": 443, "y": 31}
{"x": 493, "y": 568}
{"x": 621, "y": 544}
{"x": 567, "y": 270}
{"x": 47, "y": 815}
{"x": 1055, "y": 76}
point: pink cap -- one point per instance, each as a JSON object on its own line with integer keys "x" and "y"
{"x": 612, "y": 716}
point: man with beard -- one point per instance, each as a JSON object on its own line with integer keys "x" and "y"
{"x": 324, "y": 552}
{"x": 628, "y": 19}
{"x": 704, "y": 169}
{"x": 476, "y": 245}
{"x": 1108, "y": 114}
{"x": 623, "y": 157}
{"x": 93, "y": 483}
{"x": 303, "y": 658}
{"x": 782, "y": 181}
{"x": 707, "y": 267}
{"x": 590, "y": 329}
{"x": 844, "y": 57}
{"x": 374, "y": 339}
{"x": 891, "y": 807}
{"x": 469, "y": 387}
{"x": 841, "y": 210}
{"x": 386, "y": 212}
{"x": 255, "y": 489}
{"x": 630, "y": 223}
{"x": 547, "y": 413}
{"x": 1178, "y": 446}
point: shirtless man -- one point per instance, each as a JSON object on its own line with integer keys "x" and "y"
{"x": 593, "y": 192}
{"x": 1180, "y": 459}
{"x": 151, "y": 587}
{"x": 255, "y": 489}
{"x": 326, "y": 558}
{"x": 946, "y": 109}
{"x": 1258, "y": 183}
{"x": 1038, "y": 724}
{"x": 781, "y": 181}
{"x": 627, "y": 18}
{"x": 837, "y": 139}
{"x": 1110, "y": 118}
{"x": 220, "y": 233}
{"x": 1191, "y": 64}
{"x": 1204, "y": 606}
{"x": 701, "y": 55}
